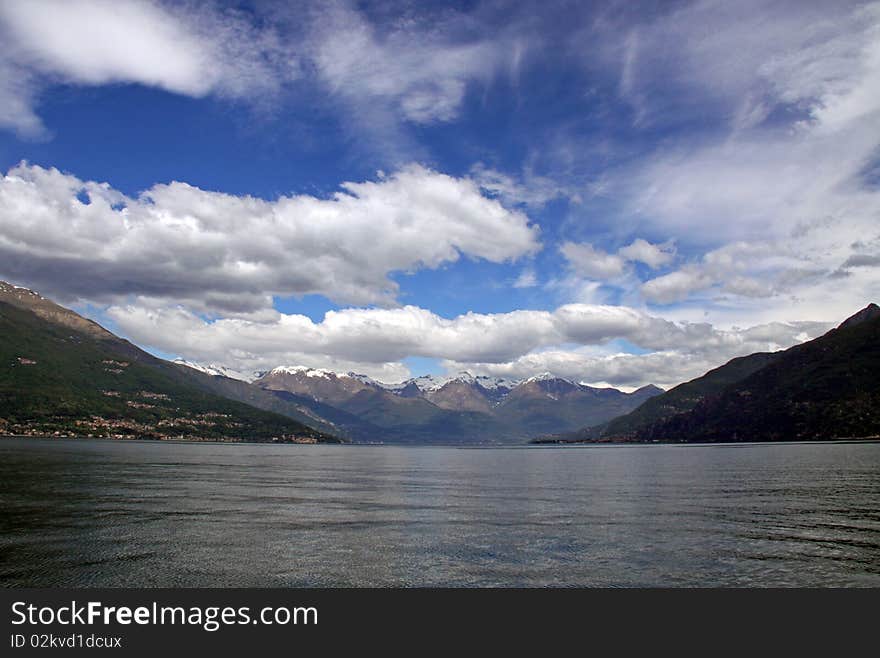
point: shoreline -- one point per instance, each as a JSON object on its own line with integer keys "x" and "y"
{"x": 475, "y": 446}
{"x": 110, "y": 439}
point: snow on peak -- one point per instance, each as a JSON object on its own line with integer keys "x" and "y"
{"x": 546, "y": 376}
{"x": 436, "y": 382}
{"x": 323, "y": 373}
{"x": 215, "y": 370}
{"x": 302, "y": 370}
{"x": 363, "y": 379}
{"x": 425, "y": 383}
{"x": 9, "y": 287}
{"x": 494, "y": 383}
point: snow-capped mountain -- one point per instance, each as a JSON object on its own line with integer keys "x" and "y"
{"x": 427, "y": 383}
{"x": 217, "y": 370}
{"x": 452, "y": 407}
{"x": 316, "y": 383}
{"x": 546, "y": 377}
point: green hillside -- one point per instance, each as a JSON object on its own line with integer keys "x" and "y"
{"x": 60, "y": 373}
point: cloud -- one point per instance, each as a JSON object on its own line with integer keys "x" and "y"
{"x": 518, "y": 342}
{"x": 652, "y": 255}
{"x": 420, "y": 69}
{"x": 740, "y": 61}
{"x": 526, "y": 279}
{"x": 379, "y": 74}
{"x": 747, "y": 269}
{"x": 96, "y": 43}
{"x": 588, "y": 261}
{"x": 17, "y": 94}
{"x": 675, "y": 286}
{"x": 769, "y": 189}
{"x": 172, "y": 47}
{"x": 627, "y": 371}
{"x": 531, "y": 190}
{"x": 218, "y": 251}
{"x": 862, "y": 260}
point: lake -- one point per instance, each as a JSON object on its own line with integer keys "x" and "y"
{"x": 102, "y": 513}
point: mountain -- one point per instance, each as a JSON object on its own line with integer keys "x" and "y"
{"x": 544, "y": 404}
{"x": 216, "y": 370}
{"x": 826, "y": 388}
{"x": 369, "y": 411}
{"x": 68, "y": 375}
{"x": 685, "y": 397}
{"x": 459, "y": 409}
{"x": 61, "y": 374}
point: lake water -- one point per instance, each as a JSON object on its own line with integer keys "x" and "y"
{"x": 100, "y": 513}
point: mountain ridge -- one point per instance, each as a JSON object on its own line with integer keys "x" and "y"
{"x": 458, "y": 408}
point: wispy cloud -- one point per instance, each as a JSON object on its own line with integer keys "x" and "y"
{"x": 419, "y": 71}
{"x": 774, "y": 109}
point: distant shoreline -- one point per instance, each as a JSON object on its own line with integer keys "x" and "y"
{"x": 144, "y": 439}
{"x": 587, "y": 442}
{"x": 465, "y": 446}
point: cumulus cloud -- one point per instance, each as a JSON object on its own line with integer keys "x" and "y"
{"x": 519, "y": 343}
{"x": 678, "y": 352}
{"x": 676, "y": 286}
{"x": 652, "y": 255}
{"x": 625, "y": 371}
{"x": 95, "y": 42}
{"x": 747, "y": 269}
{"x": 588, "y": 261}
{"x": 81, "y": 239}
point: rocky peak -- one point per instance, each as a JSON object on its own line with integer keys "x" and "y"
{"x": 870, "y": 312}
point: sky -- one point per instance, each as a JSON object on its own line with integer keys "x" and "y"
{"x": 617, "y": 193}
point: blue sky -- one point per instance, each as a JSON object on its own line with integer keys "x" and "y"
{"x": 619, "y": 193}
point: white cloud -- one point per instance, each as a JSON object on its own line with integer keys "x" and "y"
{"x": 652, "y": 255}
{"x": 526, "y": 279}
{"x": 743, "y": 59}
{"x": 103, "y": 42}
{"x": 767, "y": 196}
{"x": 747, "y": 269}
{"x": 178, "y": 48}
{"x": 420, "y": 71}
{"x": 382, "y": 74}
{"x": 17, "y": 91}
{"x": 626, "y": 371}
{"x": 531, "y": 190}
{"x": 518, "y": 343}
{"x": 675, "y": 286}
{"x": 585, "y": 260}
{"x": 218, "y": 251}
{"x": 588, "y": 261}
